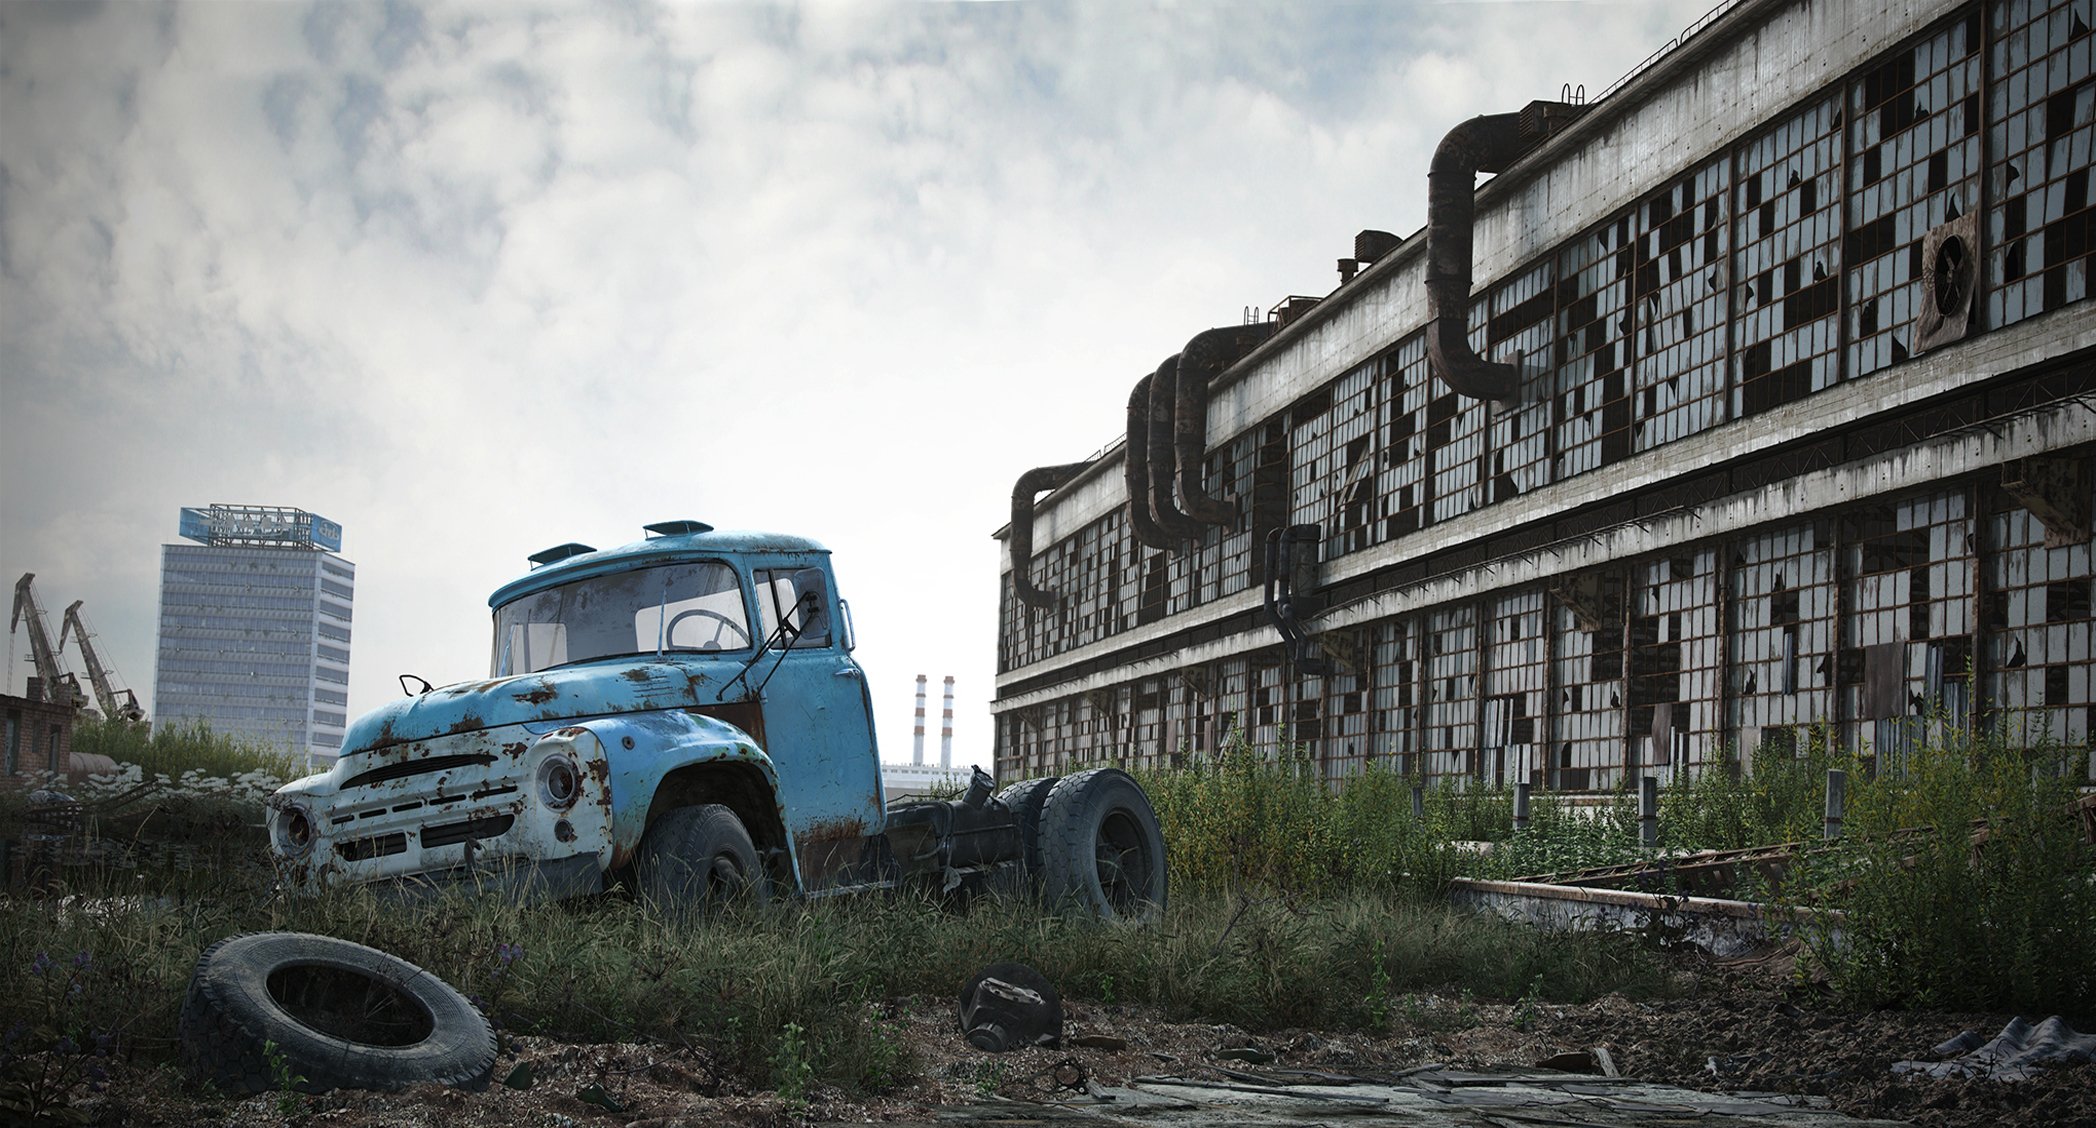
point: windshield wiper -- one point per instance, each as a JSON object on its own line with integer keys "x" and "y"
{"x": 803, "y": 608}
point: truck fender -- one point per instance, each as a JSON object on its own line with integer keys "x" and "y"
{"x": 662, "y": 760}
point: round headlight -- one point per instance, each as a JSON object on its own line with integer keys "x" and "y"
{"x": 295, "y": 830}
{"x": 559, "y": 782}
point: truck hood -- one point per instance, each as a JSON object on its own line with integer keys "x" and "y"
{"x": 589, "y": 690}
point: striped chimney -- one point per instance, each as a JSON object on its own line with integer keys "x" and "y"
{"x": 946, "y": 728}
{"x": 917, "y": 754}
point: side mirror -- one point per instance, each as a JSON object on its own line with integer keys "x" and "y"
{"x": 812, "y": 600}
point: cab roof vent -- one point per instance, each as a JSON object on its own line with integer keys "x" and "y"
{"x": 676, "y": 528}
{"x": 558, "y": 552}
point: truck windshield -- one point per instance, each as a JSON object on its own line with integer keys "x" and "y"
{"x": 672, "y": 607}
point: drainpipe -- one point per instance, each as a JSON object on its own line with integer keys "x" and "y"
{"x": 1164, "y": 507}
{"x": 1135, "y": 468}
{"x": 1020, "y": 539}
{"x": 1483, "y": 144}
{"x": 1204, "y": 358}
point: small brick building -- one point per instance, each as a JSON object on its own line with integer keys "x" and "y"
{"x": 35, "y": 736}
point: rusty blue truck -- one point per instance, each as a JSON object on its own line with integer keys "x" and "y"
{"x": 682, "y": 717}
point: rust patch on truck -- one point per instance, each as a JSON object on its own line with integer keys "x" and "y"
{"x": 828, "y": 848}
{"x": 539, "y": 696}
{"x": 467, "y": 723}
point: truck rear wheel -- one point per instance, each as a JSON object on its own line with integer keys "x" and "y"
{"x": 1025, "y": 800}
{"x": 694, "y": 857}
{"x": 1101, "y": 849}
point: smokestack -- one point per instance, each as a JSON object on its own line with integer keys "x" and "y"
{"x": 917, "y": 753}
{"x": 946, "y": 728}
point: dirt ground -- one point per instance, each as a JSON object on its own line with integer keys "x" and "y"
{"x": 1742, "y": 1026}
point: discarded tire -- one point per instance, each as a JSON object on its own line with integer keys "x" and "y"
{"x": 1025, "y": 800}
{"x": 337, "y": 1014}
{"x": 1007, "y": 1006}
{"x": 1101, "y": 850}
{"x": 694, "y": 857}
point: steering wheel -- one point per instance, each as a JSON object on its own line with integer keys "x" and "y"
{"x": 669, "y": 632}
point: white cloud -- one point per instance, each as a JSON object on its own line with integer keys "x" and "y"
{"x": 476, "y": 279}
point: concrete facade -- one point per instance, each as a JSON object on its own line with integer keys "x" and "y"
{"x": 1750, "y": 485}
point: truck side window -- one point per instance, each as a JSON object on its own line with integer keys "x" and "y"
{"x": 777, "y": 596}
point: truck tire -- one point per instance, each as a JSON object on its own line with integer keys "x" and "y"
{"x": 1101, "y": 849}
{"x": 696, "y": 857}
{"x": 335, "y": 1013}
{"x": 1025, "y": 800}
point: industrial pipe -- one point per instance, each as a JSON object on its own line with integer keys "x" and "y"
{"x": 1487, "y": 143}
{"x": 1483, "y": 144}
{"x": 1204, "y": 358}
{"x": 1164, "y": 403}
{"x": 1135, "y": 467}
{"x": 1020, "y": 538}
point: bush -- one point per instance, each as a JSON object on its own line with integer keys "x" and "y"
{"x": 1965, "y": 884}
{"x": 177, "y": 748}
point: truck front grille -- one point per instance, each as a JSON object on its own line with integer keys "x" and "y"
{"x": 376, "y": 846}
{"x": 480, "y": 826}
{"x": 424, "y": 766}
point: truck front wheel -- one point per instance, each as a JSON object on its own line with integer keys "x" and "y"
{"x": 1101, "y": 849}
{"x": 698, "y": 856}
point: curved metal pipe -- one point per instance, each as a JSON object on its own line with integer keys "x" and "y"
{"x": 1202, "y": 360}
{"x": 1135, "y": 468}
{"x": 1164, "y": 507}
{"x": 1020, "y": 537}
{"x": 1483, "y": 144}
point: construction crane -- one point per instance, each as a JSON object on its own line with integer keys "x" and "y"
{"x": 117, "y": 704}
{"x": 56, "y": 685}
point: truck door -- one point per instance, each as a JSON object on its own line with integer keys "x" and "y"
{"x": 818, "y": 724}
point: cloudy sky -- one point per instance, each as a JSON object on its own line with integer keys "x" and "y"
{"x": 475, "y": 279}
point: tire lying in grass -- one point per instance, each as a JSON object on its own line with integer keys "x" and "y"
{"x": 335, "y": 1013}
{"x": 1101, "y": 850}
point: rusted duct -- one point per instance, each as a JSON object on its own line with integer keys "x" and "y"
{"x": 1164, "y": 505}
{"x": 1135, "y": 467}
{"x": 1483, "y": 144}
{"x": 1020, "y": 538}
{"x": 1204, "y": 358}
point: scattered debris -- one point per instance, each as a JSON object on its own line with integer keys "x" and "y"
{"x": 2015, "y": 1054}
{"x": 1009, "y": 1005}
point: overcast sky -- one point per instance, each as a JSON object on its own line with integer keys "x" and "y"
{"x": 476, "y": 279}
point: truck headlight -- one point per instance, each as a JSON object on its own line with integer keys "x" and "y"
{"x": 294, "y": 830}
{"x": 559, "y": 781}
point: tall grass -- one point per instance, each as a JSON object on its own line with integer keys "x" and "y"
{"x": 1243, "y": 820}
{"x": 731, "y": 985}
{"x": 176, "y": 748}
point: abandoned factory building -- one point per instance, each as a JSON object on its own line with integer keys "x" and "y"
{"x": 1755, "y": 395}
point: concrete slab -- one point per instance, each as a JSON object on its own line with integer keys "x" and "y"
{"x": 1432, "y": 1098}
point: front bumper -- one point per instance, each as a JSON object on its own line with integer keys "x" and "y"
{"x": 470, "y": 807}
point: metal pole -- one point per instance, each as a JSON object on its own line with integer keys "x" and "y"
{"x": 1419, "y": 802}
{"x": 1521, "y": 805}
{"x": 1648, "y": 810}
{"x": 1837, "y": 788}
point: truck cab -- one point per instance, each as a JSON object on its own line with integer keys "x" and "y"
{"x": 683, "y": 714}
